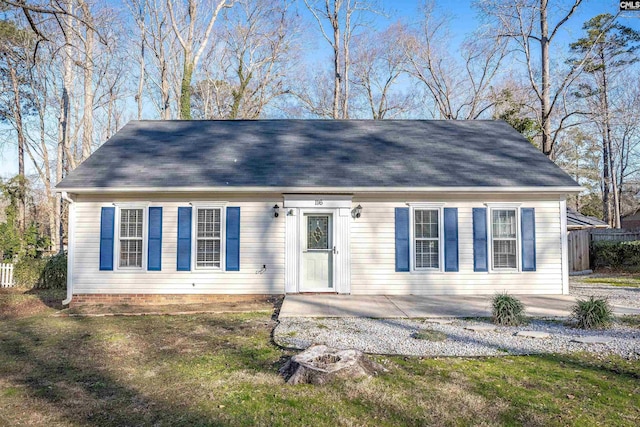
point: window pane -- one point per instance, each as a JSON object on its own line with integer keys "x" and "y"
{"x": 427, "y": 254}
{"x": 131, "y": 223}
{"x": 131, "y": 253}
{"x": 208, "y": 223}
{"x": 504, "y": 254}
{"x": 426, "y": 223}
{"x": 208, "y": 253}
{"x": 504, "y": 223}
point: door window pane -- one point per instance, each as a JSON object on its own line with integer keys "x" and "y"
{"x": 317, "y": 232}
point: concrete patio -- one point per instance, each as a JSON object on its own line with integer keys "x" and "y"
{"x": 411, "y": 306}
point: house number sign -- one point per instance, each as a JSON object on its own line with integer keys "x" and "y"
{"x": 318, "y": 202}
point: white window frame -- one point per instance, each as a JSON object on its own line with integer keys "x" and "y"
{"x": 194, "y": 235}
{"x": 412, "y": 248}
{"x": 499, "y": 207}
{"x": 145, "y": 225}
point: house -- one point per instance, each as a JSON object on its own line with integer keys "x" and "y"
{"x": 169, "y": 211}
{"x": 579, "y": 229}
{"x": 577, "y": 221}
{"x": 631, "y": 221}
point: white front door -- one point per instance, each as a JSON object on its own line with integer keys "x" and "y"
{"x": 317, "y": 253}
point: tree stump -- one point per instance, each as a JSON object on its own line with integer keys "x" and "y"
{"x": 320, "y": 364}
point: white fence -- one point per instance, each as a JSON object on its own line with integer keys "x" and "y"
{"x": 6, "y": 275}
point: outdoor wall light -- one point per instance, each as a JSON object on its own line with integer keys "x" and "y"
{"x": 276, "y": 211}
{"x": 356, "y": 212}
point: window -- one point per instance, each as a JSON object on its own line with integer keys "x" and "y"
{"x": 131, "y": 237}
{"x": 504, "y": 238}
{"x": 426, "y": 230}
{"x": 208, "y": 237}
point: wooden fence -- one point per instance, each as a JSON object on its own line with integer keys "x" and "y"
{"x": 614, "y": 235}
{"x": 6, "y": 275}
{"x": 578, "y": 244}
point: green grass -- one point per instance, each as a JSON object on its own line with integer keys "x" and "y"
{"x": 626, "y": 281}
{"x": 222, "y": 370}
{"x": 430, "y": 335}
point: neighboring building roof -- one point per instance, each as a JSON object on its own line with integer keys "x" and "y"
{"x": 575, "y": 220}
{"x": 317, "y": 153}
{"x": 632, "y": 215}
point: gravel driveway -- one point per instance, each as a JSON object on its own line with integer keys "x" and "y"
{"x": 396, "y": 336}
{"x": 628, "y": 297}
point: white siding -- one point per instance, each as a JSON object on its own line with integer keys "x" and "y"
{"x": 371, "y": 243}
{"x": 373, "y": 253}
{"x": 261, "y": 243}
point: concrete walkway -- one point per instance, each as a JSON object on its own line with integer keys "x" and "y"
{"x": 411, "y": 306}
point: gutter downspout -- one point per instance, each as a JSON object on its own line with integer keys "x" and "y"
{"x": 71, "y": 245}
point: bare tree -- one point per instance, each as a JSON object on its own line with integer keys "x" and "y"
{"x": 42, "y": 138}
{"x": 608, "y": 48}
{"x": 527, "y": 24}
{"x": 38, "y": 14}
{"x": 187, "y": 23}
{"x": 626, "y": 142}
{"x": 459, "y": 89}
{"x": 15, "y": 100}
{"x": 252, "y": 67}
{"x": 338, "y": 21}
{"x": 378, "y": 65}
{"x": 87, "y": 39}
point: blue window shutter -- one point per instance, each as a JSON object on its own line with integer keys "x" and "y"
{"x": 528, "y": 219}
{"x": 480, "y": 258}
{"x": 402, "y": 239}
{"x": 154, "y": 250}
{"x": 107, "y": 219}
{"x": 233, "y": 239}
{"x": 184, "y": 239}
{"x": 450, "y": 239}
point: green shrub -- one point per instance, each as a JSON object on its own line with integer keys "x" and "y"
{"x": 618, "y": 255}
{"x": 27, "y": 271}
{"x": 54, "y": 274}
{"x": 507, "y": 310}
{"x": 593, "y": 313}
{"x": 42, "y": 273}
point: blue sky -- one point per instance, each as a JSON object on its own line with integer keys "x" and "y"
{"x": 463, "y": 21}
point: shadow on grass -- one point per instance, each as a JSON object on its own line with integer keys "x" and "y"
{"x": 80, "y": 389}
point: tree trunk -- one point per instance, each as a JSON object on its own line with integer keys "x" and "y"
{"x": 87, "y": 125}
{"x": 17, "y": 116}
{"x": 545, "y": 108}
{"x": 320, "y": 364}
{"x": 65, "y": 113}
{"x": 165, "y": 92}
{"x": 606, "y": 181}
{"x": 337, "y": 78}
{"x": 615, "y": 219}
{"x": 142, "y": 63}
{"x": 346, "y": 61}
{"x": 185, "y": 87}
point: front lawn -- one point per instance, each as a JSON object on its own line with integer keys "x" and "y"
{"x": 626, "y": 280}
{"x": 222, "y": 370}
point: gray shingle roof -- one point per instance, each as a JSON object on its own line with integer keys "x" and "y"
{"x": 576, "y": 220}
{"x": 316, "y": 153}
